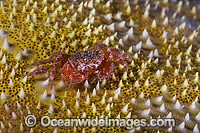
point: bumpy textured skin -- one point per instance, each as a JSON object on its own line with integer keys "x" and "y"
{"x": 87, "y": 62}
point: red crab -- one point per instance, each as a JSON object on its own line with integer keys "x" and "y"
{"x": 75, "y": 68}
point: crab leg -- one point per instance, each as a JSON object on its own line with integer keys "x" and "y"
{"x": 108, "y": 68}
{"x": 110, "y": 50}
{"x": 120, "y": 54}
{"x": 39, "y": 70}
{"x": 53, "y": 72}
{"x": 120, "y": 61}
{"x": 57, "y": 54}
{"x": 60, "y": 54}
{"x": 117, "y": 58}
{"x": 44, "y": 61}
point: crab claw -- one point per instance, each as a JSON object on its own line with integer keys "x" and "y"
{"x": 70, "y": 76}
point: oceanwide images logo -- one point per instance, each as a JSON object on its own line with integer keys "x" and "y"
{"x": 46, "y": 121}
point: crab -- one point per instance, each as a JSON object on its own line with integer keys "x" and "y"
{"x": 94, "y": 63}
